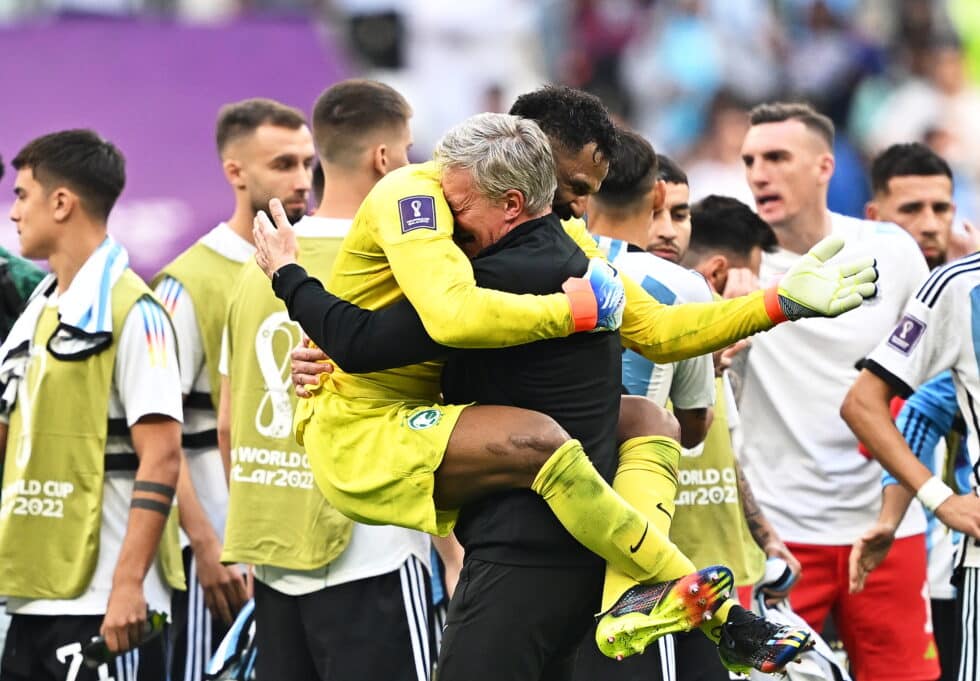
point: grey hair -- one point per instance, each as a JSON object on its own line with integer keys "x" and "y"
{"x": 503, "y": 152}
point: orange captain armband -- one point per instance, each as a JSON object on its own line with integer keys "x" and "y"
{"x": 581, "y": 298}
{"x": 773, "y": 308}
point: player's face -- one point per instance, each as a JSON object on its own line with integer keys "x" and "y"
{"x": 33, "y": 215}
{"x": 922, "y": 205}
{"x": 580, "y": 175}
{"x": 787, "y": 166}
{"x": 478, "y": 221}
{"x": 277, "y": 163}
{"x": 670, "y": 231}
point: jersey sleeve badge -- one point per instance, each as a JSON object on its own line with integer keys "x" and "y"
{"x": 907, "y": 333}
{"x": 417, "y": 212}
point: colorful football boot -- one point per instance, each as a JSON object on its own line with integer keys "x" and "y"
{"x": 648, "y": 611}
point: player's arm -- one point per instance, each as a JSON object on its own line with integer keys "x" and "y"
{"x": 148, "y": 383}
{"x": 694, "y": 425}
{"x": 224, "y": 425}
{"x": 224, "y": 399}
{"x": 920, "y": 346}
{"x": 764, "y": 534}
{"x": 451, "y": 553}
{"x": 692, "y": 393}
{"x": 156, "y": 439}
{"x": 866, "y": 411}
{"x": 358, "y": 340}
{"x": 224, "y": 588}
{"x": 438, "y": 279}
{"x": 667, "y": 333}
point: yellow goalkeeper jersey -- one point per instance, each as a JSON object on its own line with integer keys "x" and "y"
{"x": 401, "y": 244}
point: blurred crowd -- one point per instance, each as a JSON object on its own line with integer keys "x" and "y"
{"x": 883, "y": 70}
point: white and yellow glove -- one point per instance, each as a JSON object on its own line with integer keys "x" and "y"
{"x": 813, "y": 288}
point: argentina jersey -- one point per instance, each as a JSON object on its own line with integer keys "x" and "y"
{"x": 939, "y": 331}
{"x": 689, "y": 383}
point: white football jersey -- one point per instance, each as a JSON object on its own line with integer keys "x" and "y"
{"x": 940, "y": 329}
{"x": 799, "y": 456}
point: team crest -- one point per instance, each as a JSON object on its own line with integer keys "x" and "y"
{"x": 426, "y": 418}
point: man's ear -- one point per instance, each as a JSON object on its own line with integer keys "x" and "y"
{"x": 234, "y": 173}
{"x": 63, "y": 203}
{"x": 659, "y": 195}
{"x": 380, "y": 159}
{"x": 514, "y": 204}
{"x": 715, "y": 270}
{"x": 825, "y": 167}
{"x": 871, "y": 211}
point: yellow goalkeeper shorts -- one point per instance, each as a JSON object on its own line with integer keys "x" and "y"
{"x": 375, "y": 460}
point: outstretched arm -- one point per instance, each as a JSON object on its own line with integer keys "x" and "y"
{"x": 667, "y": 333}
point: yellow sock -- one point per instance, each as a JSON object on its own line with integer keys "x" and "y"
{"x": 712, "y": 628}
{"x": 647, "y": 479}
{"x": 601, "y": 520}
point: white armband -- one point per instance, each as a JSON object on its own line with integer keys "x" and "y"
{"x": 934, "y": 492}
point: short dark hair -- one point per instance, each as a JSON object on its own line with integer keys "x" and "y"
{"x": 721, "y": 223}
{"x": 906, "y": 159}
{"x": 351, "y": 109}
{"x": 669, "y": 171}
{"x": 777, "y": 112}
{"x": 243, "y": 118}
{"x": 90, "y": 166}
{"x": 570, "y": 118}
{"x": 632, "y": 171}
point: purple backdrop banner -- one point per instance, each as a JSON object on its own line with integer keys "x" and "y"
{"x": 154, "y": 90}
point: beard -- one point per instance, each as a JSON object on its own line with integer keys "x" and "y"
{"x": 562, "y": 210}
{"x": 293, "y": 215}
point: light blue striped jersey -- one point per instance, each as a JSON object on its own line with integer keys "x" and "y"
{"x": 689, "y": 383}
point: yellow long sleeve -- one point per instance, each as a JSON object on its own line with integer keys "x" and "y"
{"x": 667, "y": 333}
{"x": 401, "y": 243}
{"x": 438, "y": 280}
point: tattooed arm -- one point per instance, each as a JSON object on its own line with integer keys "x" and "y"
{"x": 764, "y": 534}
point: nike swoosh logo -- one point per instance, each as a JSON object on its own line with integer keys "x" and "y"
{"x": 660, "y": 506}
{"x": 634, "y": 549}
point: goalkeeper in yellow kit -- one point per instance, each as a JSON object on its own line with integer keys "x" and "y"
{"x": 384, "y": 449}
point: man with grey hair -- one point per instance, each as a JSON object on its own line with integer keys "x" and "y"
{"x": 490, "y": 158}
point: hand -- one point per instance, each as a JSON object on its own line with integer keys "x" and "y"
{"x": 723, "y": 358}
{"x": 125, "y": 616}
{"x": 275, "y": 245}
{"x": 868, "y": 552}
{"x": 777, "y": 549}
{"x": 741, "y": 282}
{"x": 962, "y": 244}
{"x": 813, "y": 288}
{"x": 225, "y": 590}
{"x": 961, "y": 512}
{"x": 609, "y": 294}
{"x": 307, "y": 366}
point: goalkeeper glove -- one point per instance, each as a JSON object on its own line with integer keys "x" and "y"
{"x": 814, "y": 288}
{"x": 597, "y": 298}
